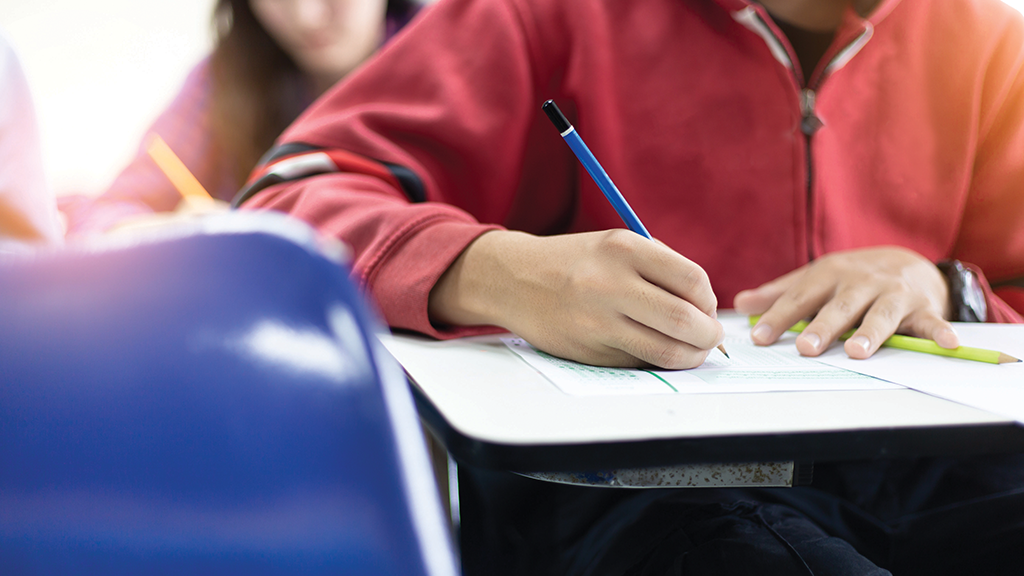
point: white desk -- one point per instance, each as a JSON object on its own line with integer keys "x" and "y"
{"x": 491, "y": 409}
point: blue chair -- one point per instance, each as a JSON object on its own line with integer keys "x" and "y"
{"x": 210, "y": 399}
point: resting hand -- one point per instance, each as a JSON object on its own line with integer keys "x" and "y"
{"x": 609, "y": 298}
{"x": 885, "y": 290}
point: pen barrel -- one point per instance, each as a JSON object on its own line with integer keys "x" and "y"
{"x": 604, "y": 183}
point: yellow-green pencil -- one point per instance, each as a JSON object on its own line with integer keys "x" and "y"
{"x": 924, "y": 345}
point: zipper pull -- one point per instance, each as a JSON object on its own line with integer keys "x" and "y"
{"x": 810, "y": 122}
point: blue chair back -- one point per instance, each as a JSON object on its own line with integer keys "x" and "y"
{"x": 210, "y": 401}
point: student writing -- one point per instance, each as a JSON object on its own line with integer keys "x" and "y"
{"x": 787, "y": 181}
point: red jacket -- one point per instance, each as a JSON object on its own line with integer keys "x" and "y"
{"x": 695, "y": 111}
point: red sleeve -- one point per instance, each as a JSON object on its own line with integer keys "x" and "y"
{"x": 142, "y": 187}
{"x": 1000, "y": 303}
{"x": 1012, "y": 297}
{"x": 453, "y": 100}
{"x": 992, "y": 232}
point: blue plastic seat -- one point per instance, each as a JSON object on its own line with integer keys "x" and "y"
{"x": 211, "y": 401}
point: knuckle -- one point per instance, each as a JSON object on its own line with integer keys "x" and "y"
{"x": 671, "y": 355}
{"x": 635, "y": 346}
{"x": 798, "y": 297}
{"x": 658, "y": 353}
{"x": 899, "y": 285}
{"x": 679, "y": 315}
{"x": 888, "y": 310}
{"x": 845, "y": 307}
{"x": 618, "y": 242}
{"x": 695, "y": 277}
{"x": 668, "y": 356}
{"x": 684, "y": 359}
{"x": 696, "y": 286}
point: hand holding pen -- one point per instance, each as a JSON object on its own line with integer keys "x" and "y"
{"x": 596, "y": 171}
{"x": 606, "y": 298}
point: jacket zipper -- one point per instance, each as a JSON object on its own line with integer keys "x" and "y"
{"x": 810, "y": 123}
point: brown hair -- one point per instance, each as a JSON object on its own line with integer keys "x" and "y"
{"x": 257, "y": 89}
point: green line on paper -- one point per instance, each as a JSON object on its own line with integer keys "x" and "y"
{"x": 662, "y": 379}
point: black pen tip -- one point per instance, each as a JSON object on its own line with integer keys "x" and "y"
{"x": 556, "y": 116}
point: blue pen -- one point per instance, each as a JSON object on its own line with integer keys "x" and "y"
{"x": 598, "y": 174}
{"x": 589, "y": 162}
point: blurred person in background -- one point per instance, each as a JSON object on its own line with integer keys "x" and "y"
{"x": 272, "y": 59}
{"x": 28, "y": 212}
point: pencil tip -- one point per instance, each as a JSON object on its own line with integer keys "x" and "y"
{"x": 1007, "y": 359}
{"x": 721, "y": 347}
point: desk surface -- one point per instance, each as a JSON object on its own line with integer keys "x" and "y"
{"x": 491, "y": 409}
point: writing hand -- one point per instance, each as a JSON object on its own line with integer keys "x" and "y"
{"x": 886, "y": 290}
{"x": 610, "y": 298}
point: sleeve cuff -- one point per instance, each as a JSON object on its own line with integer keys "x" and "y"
{"x": 401, "y": 285}
{"x": 999, "y": 310}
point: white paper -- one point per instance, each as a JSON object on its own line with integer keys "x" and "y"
{"x": 749, "y": 368}
{"x": 996, "y": 388}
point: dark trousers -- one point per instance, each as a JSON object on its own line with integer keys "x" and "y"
{"x": 906, "y": 517}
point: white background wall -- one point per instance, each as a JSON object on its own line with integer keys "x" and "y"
{"x": 101, "y": 70}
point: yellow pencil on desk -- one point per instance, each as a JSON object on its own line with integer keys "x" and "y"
{"x": 924, "y": 345}
{"x": 176, "y": 171}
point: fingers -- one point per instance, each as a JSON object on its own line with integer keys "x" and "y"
{"x": 678, "y": 276}
{"x": 801, "y": 298}
{"x": 878, "y": 325}
{"x": 639, "y": 346}
{"x": 610, "y": 298}
{"x": 884, "y": 290}
{"x": 760, "y": 299}
{"x": 842, "y": 311}
{"x": 672, "y": 297}
{"x": 667, "y": 314}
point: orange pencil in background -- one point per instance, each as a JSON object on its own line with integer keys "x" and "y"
{"x": 191, "y": 190}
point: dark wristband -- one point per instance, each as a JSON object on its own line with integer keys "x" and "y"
{"x": 966, "y": 297}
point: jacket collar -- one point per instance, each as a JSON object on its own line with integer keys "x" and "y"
{"x": 881, "y": 10}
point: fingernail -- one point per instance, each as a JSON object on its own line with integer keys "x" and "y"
{"x": 862, "y": 342}
{"x": 947, "y": 338}
{"x": 761, "y": 333}
{"x": 813, "y": 339}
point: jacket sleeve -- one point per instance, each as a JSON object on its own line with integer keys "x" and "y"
{"x": 142, "y": 188}
{"x": 992, "y": 231}
{"x": 427, "y": 143}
